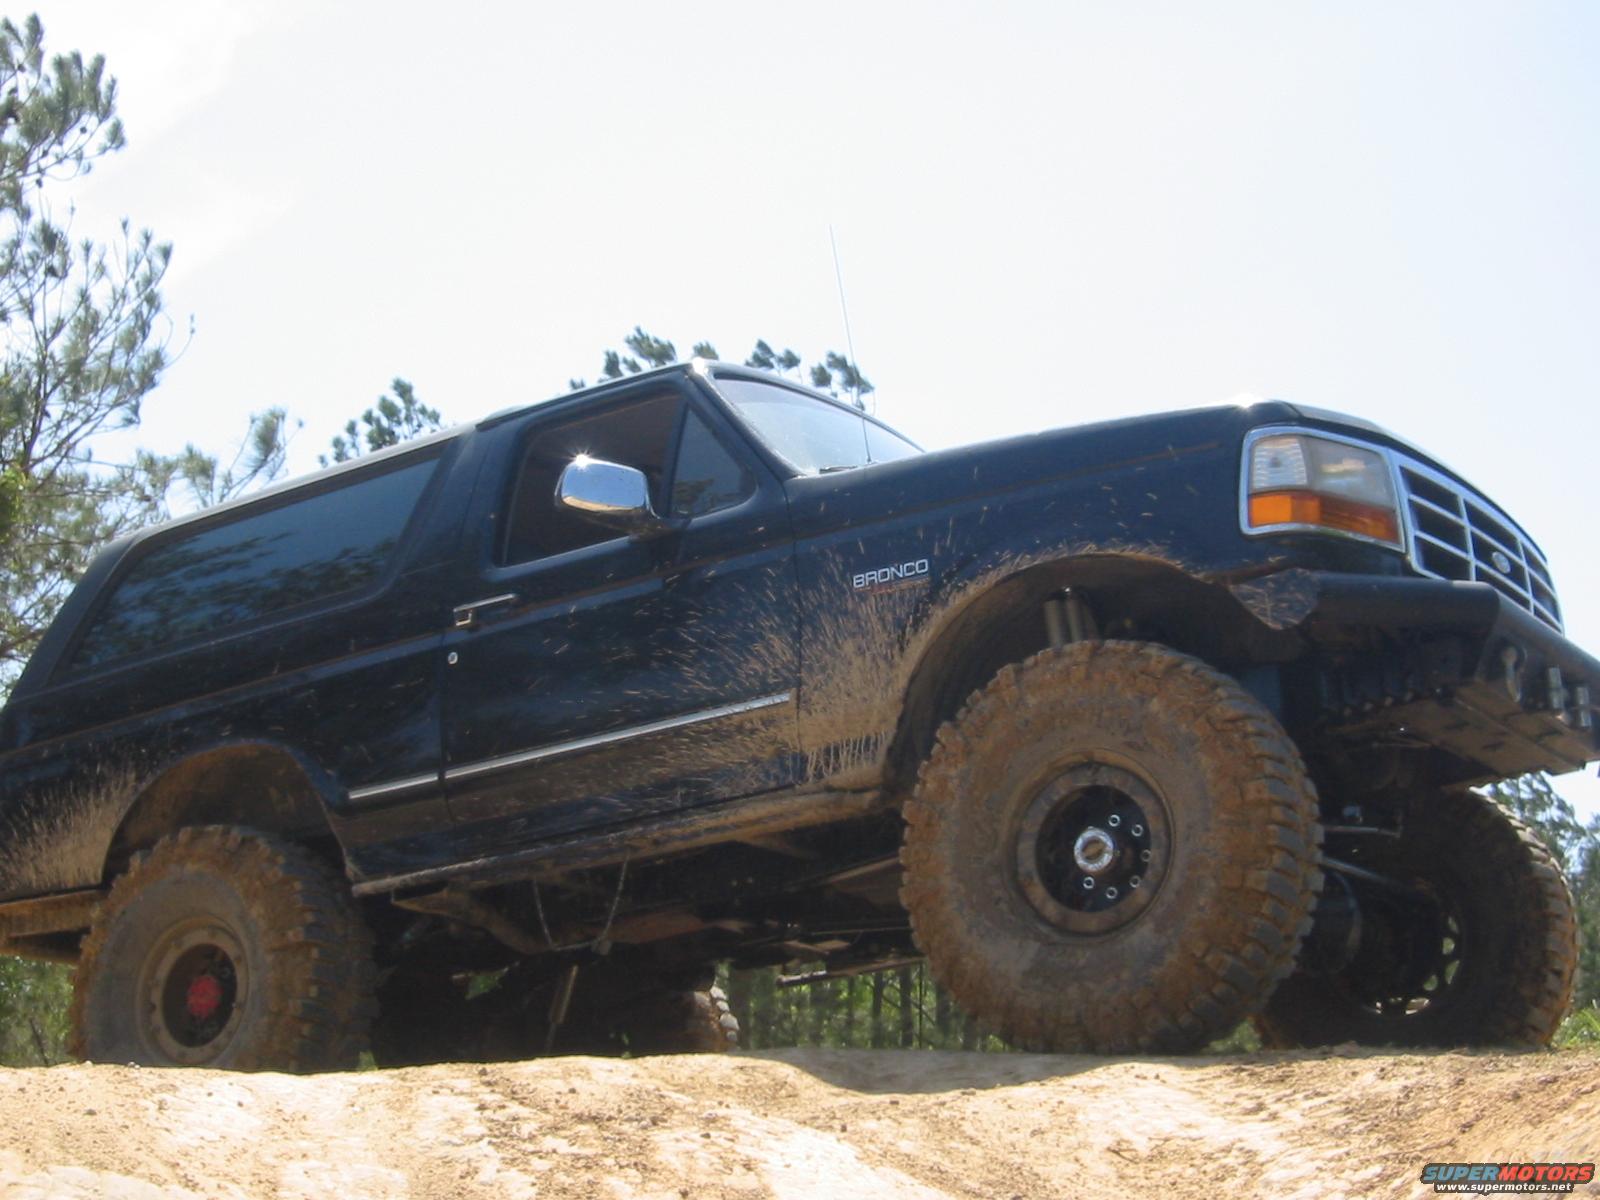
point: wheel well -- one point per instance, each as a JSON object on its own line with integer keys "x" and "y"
{"x": 255, "y": 784}
{"x": 1133, "y": 597}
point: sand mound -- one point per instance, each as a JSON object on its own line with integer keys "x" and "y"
{"x": 803, "y": 1123}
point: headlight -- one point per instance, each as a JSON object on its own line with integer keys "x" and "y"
{"x": 1295, "y": 480}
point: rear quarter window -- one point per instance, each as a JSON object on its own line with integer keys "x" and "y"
{"x": 263, "y": 562}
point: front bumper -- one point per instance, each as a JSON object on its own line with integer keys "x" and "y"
{"x": 1457, "y": 666}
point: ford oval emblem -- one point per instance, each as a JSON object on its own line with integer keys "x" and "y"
{"x": 1501, "y": 562}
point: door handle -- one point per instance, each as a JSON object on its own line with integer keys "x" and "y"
{"x": 466, "y": 615}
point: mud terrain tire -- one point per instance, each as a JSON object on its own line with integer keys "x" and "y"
{"x": 429, "y": 1018}
{"x": 226, "y": 948}
{"x": 1495, "y": 966}
{"x": 682, "y": 1022}
{"x": 1184, "y": 927}
{"x": 615, "y": 1011}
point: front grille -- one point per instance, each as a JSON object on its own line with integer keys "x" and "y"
{"x": 1457, "y": 534}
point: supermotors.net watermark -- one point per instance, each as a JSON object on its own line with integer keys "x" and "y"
{"x": 1481, "y": 1179}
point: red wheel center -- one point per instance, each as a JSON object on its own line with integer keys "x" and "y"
{"x": 203, "y": 997}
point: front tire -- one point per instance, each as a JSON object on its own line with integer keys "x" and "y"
{"x": 1112, "y": 848}
{"x": 1479, "y": 949}
{"x": 225, "y": 948}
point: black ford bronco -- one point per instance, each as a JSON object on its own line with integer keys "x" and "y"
{"x": 1131, "y": 730}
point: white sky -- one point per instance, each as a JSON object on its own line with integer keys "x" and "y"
{"x": 1046, "y": 212}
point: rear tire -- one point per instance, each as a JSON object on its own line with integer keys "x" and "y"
{"x": 222, "y": 947}
{"x": 1112, "y": 848}
{"x": 616, "y": 1010}
{"x": 1484, "y": 953}
{"x": 428, "y": 1018}
{"x": 678, "y": 1022}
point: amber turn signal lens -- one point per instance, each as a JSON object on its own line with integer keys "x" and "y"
{"x": 1329, "y": 512}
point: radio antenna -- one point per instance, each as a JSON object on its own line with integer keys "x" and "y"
{"x": 849, "y": 344}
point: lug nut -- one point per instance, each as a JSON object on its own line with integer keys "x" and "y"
{"x": 1113, "y": 820}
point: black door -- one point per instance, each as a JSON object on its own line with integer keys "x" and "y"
{"x": 597, "y": 677}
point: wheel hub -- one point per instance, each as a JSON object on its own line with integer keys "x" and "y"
{"x": 1409, "y": 956}
{"x": 204, "y": 997}
{"x": 193, "y": 989}
{"x": 1092, "y": 847}
{"x": 1094, "y": 851}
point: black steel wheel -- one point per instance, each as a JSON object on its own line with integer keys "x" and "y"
{"x": 1467, "y": 937}
{"x": 1092, "y": 846}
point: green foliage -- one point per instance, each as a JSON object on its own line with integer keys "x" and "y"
{"x": 58, "y": 116}
{"x": 766, "y": 359}
{"x": 901, "y": 1008}
{"x": 836, "y": 374}
{"x": 647, "y": 352}
{"x": 33, "y": 1012}
{"x": 82, "y": 338}
{"x": 392, "y": 420}
{"x": 202, "y": 477}
{"x": 1243, "y": 1040}
{"x": 1581, "y": 1029}
{"x": 12, "y": 484}
{"x": 1536, "y": 802}
{"x": 653, "y": 351}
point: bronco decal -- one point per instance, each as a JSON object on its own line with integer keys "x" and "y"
{"x": 895, "y": 575}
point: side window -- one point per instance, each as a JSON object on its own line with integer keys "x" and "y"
{"x": 884, "y": 446}
{"x": 260, "y": 563}
{"x": 635, "y": 433}
{"x": 707, "y": 476}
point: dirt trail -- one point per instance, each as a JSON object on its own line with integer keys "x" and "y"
{"x": 798, "y": 1125}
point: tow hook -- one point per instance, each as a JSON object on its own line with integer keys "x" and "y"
{"x": 1572, "y": 706}
{"x": 1584, "y": 706}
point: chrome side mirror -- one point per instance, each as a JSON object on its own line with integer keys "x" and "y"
{"x": 609, "y": 494}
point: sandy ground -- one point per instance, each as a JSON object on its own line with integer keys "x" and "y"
{"x": 798, "y": 1124}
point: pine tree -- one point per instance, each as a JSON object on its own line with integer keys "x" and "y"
{"x": 390, "y": 421}
{"x": 83, "y": 338}
{"x": 835, "y": 374}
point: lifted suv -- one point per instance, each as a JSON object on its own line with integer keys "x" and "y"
{"x": 1132, "y": 730}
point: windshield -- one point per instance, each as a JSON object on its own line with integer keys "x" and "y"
{"x": 809, "y": 434}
